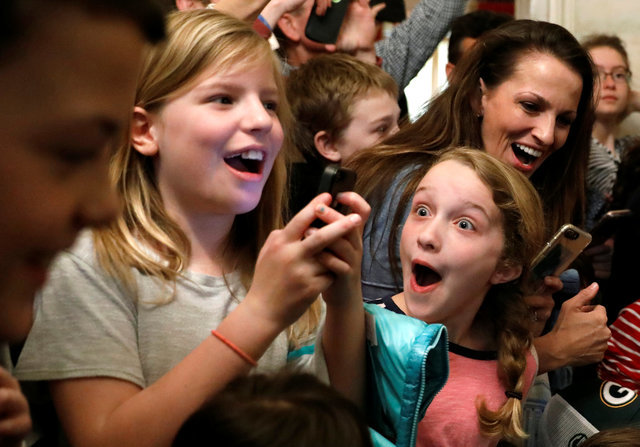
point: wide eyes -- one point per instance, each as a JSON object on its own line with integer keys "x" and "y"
{"x": 462, "y": 223}
{"x": 465, "y": 224}
{"x": 422, "y": 211}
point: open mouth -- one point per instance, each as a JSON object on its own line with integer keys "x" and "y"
{"x": 525, "y": 154}
{"x": 425, "y": 276}
{"x": 249, "y": 161}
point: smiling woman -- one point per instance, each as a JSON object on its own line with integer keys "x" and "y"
{"x": 525, "y": 96}
{"x": 523, "y": 93}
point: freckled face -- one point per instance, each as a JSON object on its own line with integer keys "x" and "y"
{"x": 450, "y": 247}
{"x": 528, "y": 116}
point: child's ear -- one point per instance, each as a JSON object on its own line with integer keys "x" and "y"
{"x": 143, "y": 132}
{"x": 326, "y": 147}
{"x": 505, "y": 273}
{"x": 289, "y": 27}
{"x": 448, "y": 69}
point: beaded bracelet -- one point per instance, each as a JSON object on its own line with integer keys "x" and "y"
{"x": 246, "y": 357}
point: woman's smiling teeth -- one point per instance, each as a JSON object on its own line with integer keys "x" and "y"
{"x": 525, "y": 154}
{"x": 248, "y": 161}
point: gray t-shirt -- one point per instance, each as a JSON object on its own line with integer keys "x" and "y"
{"x": 87, "y": 325}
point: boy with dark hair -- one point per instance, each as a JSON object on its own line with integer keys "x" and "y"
{"x": 466, "y": 29}
{"x": 68, "y": 70}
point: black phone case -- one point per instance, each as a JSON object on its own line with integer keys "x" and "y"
{"x": 608, "y": 224}
{"x": 325, "y": 29}
{"x": 334, "y": 180}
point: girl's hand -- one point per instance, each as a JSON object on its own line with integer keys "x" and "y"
{"x": 289, "y": 273}
{"x": 344, "y": 257}
{"x": 343, "y": 335}
{"x": 541, "y": 303}
{"x": 15, "y": 422}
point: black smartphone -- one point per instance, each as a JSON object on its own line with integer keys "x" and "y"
{"x": 607, "y": 225}
{"x": 325, "y": 29}
{"x": 335, "y": 179}
{"x": 557, "y": 254}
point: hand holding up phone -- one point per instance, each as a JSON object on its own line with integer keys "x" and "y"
{"x": 324, "y": 23}
{"x": 335, "y": 179}
{"x": 563, "y": 248}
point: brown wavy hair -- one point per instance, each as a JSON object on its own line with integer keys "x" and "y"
{"x": 450, "y": 119}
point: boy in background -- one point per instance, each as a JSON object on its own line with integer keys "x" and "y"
{"x": 341, "y": 105}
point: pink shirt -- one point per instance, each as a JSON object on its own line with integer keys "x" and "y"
{"x": 452, "y": 418}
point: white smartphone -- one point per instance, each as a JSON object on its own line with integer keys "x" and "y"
{"x": 557, "y": 254}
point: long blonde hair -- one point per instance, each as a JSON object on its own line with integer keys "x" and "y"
{"x": 503, "y": 310}
{"x": 145, "y": 237}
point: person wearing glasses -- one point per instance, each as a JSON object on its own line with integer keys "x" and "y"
{"x": 616, "y": 100}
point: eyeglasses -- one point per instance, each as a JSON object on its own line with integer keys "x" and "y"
{"x": 618, "y": 75}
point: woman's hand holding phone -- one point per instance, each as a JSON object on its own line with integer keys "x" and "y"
{"x": 601, "y": 258}
{"x": 579, "y": 336}
{"x": 540, "y": 303}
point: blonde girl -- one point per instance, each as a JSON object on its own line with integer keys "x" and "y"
{"x": 124, "y": 332}
{"x": 474, "y": 225}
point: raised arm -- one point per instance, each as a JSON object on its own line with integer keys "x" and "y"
{"x": 243, "y": 9}
{"x": 413, "y": 41}
{"x": 343, "y": 335}
{"x": 276, "y": 8}
{"x": 101, "y": 411}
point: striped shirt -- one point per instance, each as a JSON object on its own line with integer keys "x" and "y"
{"x": 621, "y": 363}
{"x": 601, "y": 175}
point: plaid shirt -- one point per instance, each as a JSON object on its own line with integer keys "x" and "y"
{"x": 413, "y": 41}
